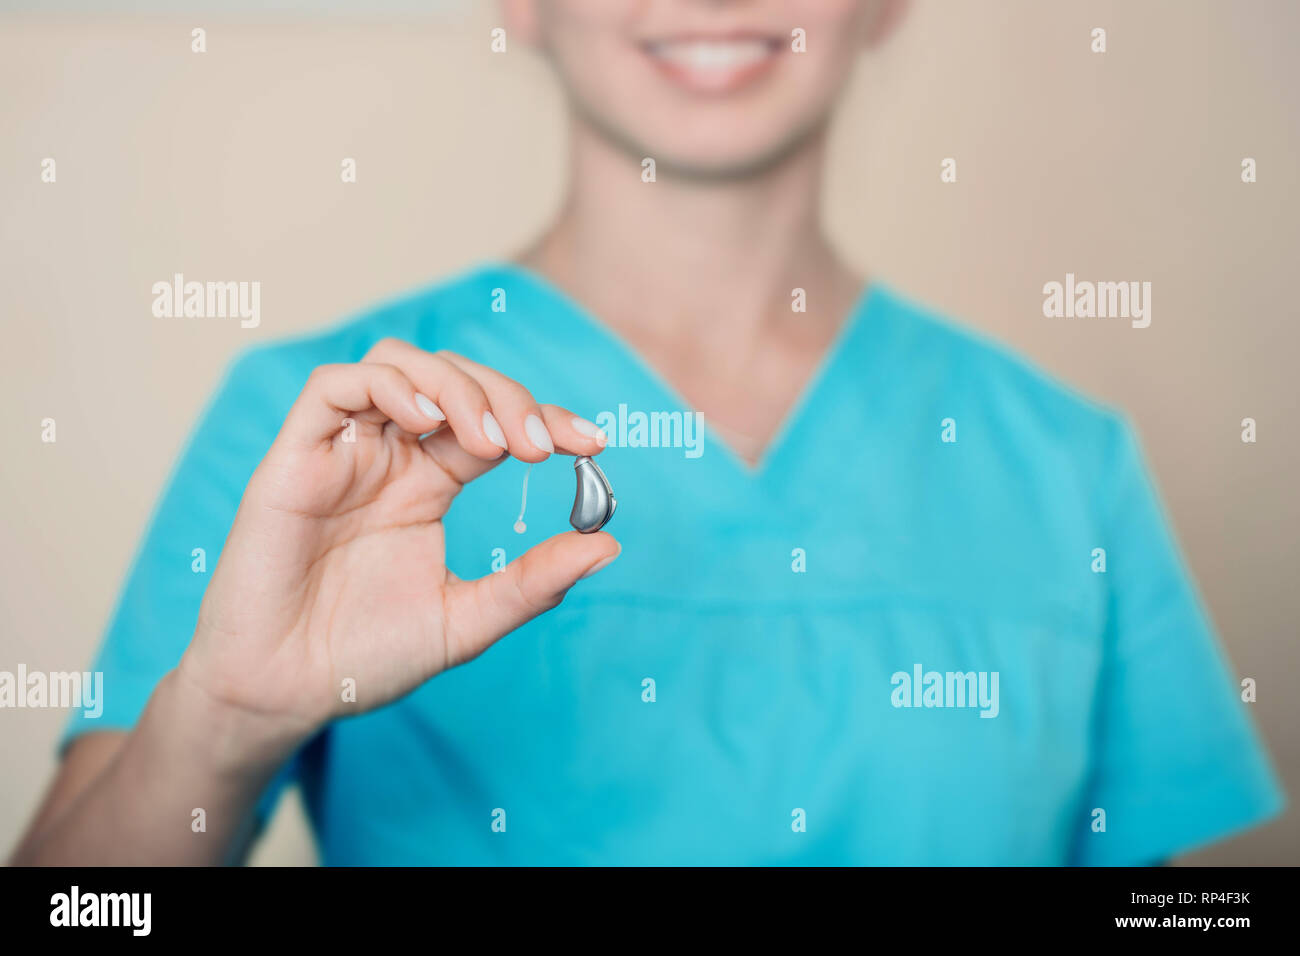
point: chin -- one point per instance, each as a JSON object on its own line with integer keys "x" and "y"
{"x": 719, "y": 152}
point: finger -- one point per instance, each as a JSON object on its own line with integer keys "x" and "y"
{"x": 514, "y": 407}
{"x": 483, "y": 611}
{"x": 373, "y": 393}
{"x": 573, "y": 436}
{"x": 454, "y": 392}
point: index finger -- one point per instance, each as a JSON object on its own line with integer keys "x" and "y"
{"x": 573, "y": 435}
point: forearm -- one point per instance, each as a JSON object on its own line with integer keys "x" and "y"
{"x": 187, "y": 753}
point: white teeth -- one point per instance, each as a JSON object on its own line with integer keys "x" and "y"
{"x": 712, "y": 54}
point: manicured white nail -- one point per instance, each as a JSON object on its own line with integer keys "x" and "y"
{"x": 492, "y": 429}
{"x": 604, "y": 563}
{"x": 428, "y": 409}
{"x": 584, "y": 427}
{"x": 537, "y": 434}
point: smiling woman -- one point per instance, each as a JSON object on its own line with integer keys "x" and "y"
{"x": 871, "y": 499}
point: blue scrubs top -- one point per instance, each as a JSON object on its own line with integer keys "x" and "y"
{"x": 793, "y": 663}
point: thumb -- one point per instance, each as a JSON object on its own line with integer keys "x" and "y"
{"x": 478, "y": 613}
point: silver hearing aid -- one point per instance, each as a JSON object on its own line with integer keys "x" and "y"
{"x": 593, "y": 502}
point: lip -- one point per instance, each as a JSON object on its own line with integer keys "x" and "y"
{"x": 713, "y": 64}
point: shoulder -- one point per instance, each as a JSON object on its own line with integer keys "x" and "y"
{"x": 430, "y": 316}
{"x": 422, "y": 314}
{"x": 1006, "y": 399}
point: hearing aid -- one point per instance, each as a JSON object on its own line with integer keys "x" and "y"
{"x": 593, "y": 502}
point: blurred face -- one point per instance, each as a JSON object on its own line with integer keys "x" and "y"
{"x": 705, "y": 87}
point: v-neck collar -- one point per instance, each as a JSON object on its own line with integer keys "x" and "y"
{"x": 796, "y": 415}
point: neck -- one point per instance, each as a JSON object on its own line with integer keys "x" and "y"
{"x": 691, "y": 256}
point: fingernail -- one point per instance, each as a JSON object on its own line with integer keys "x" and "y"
{"x": 603, "y": 563}
{"x": 428, "y": 409}
{"x": 590, "y": 429}
{"x": 492, "y": 429}
{"x": 537, "y": 434}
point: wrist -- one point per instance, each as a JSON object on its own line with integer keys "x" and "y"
{"x": 229, "y": 738}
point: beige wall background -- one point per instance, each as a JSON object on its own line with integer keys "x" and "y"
{"x": 1124, "y": 165}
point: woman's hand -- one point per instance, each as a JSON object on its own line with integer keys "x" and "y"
{"x": 334, "y": 567}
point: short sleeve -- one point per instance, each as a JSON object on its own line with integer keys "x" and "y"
{"x": 1177, "y": 762}
{"x": 159, "y": 604}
